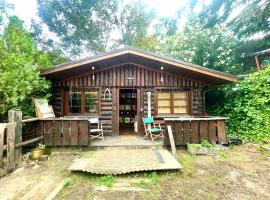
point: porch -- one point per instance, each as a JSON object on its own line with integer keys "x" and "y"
{"x": 75, "y": 132}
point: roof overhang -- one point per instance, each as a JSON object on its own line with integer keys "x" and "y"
{"x": 140, "y": 57}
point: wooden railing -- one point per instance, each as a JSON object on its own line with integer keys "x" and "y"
{"x": 64, "y": 131}
{"x": 194, "y": 130}
{"x": 11, "y": 141}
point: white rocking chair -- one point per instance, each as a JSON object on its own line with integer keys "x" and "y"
{"x": 96, "y": 132}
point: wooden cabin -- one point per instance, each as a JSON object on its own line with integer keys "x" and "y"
{"x": 117, "y": 87}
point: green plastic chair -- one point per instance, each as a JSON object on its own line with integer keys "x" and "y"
{"x": 154, "y": 132}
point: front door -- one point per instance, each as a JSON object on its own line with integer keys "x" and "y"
{"x": 128, "y": 111}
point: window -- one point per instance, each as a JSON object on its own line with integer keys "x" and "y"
{"x": 172, "y": 103}
{"x": 83, "y": 102}
{"x": 75, "y": 102}
{"x": 91, "y": 102}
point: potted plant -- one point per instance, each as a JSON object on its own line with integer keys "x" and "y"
{"x": 38, "y": 152}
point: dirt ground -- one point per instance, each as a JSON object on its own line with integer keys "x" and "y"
{"x": 242, "y": 172}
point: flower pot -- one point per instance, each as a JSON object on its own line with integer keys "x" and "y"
{"x": 37, "y": 153}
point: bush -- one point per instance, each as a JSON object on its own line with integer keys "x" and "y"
{"x": 249, "y": 108}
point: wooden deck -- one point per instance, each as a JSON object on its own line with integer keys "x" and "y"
{"x": 125, "y": 141}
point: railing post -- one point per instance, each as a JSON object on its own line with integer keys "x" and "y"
{"x": 16, "y": 117}
{"x": 2, "y": 132}
{"x": 11, "y": 146}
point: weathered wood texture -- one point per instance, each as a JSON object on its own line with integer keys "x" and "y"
{"x": 129, "y": 75}
{"x": 195, "y": 131}
{"x": 65, "y": 132}
{"x": 106, "y": 111}
{"x": 16, "y": 117}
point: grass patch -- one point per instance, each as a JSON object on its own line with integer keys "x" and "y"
{"x": 142, "y": 184}
{"x": 88, "y": 154}
{"x": 188, "y": 163}
{"x": 106, "y": 180}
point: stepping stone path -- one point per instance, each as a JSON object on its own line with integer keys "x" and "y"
{"x": 125, "y": 184}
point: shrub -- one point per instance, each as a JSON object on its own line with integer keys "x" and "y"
{"x": 249, "y": 109}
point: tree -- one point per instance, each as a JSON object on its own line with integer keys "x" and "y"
{"x": 81, "y": 25}
{"x": 253, "y": 19}
{"x": 94, "y": 26}
{"x": 166, "y": 26}
{"x": 133, "y": 21}
{"x": 47, "y": 45}
{"x": 20, "y": 62}
{"x": 208, "y": 47}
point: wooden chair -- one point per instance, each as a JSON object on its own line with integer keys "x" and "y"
{"x": 154, "y": 132}
{"x": 96, "y": 132}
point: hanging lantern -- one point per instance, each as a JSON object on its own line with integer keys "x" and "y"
{"x": 93, "y": 76}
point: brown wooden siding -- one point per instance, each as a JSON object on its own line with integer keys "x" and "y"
{"x": 129, "y": 75}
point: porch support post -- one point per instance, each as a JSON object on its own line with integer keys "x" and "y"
{"x": 149, "y": 107}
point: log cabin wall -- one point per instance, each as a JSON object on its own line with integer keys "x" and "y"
{"x": 127, "y": 76}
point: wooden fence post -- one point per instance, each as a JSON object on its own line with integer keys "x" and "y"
{"x": 11, "y": 146}
{"x": 16, "y": 116}
{"x": 2, "y": 132}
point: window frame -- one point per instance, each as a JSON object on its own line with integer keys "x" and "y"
{"x": 171, "y": 100}
{"x": 67, "y": 107}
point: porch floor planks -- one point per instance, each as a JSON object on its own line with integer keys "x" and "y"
{"x": 115, "y": 160}
{"x": 125, "y": 141}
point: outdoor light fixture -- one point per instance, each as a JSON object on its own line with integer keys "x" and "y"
{"x": 93, "y": 76}
{"x": 161, "y": 77}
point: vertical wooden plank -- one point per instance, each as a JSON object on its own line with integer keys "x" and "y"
{"x": 48, "y": 133}
{"x": 16, "y": 116}
{"x": 114, "y": 77}
{"x": 213, "y": 132}
{"x": 195, "y": 132}
{"x": 11, "y": 146}
{"x": 172, "y": 141}
{"x": 57, "y": 139}
{"x": 74, "y": 127}
{"x": 186, "y": 132}
{"x": 222, "y": 138}
{"x": 122, "y": 75}
{"x": 84, "y": 133}
{"x": 66, "y": 133}
{"x": 179, "y": 137}
{"x": 118, "y": 77}
{"x": 139, "y": 117}
{"x": 39, "y": 128}
{"x": 2, "y": 132}
{"x": 146, "y": 75}
{"x": 203, "y": 130}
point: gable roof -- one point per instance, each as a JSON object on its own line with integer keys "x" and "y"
{"x": 139, "y": 56}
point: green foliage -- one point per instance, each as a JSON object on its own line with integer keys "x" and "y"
{"x": 106, "y": 180}
{"x": 67, "y": 181}
{"x": 133, "y": 21}
{"x": 93, "y": 26}
{"x": 206, "y": 144}
{"x": 254, "y": 18}
{"x": 20, "y": 62}
{"x": 208, "y": 47}
{"x": 81, "y": 25}
{"x": 248, "y": 107}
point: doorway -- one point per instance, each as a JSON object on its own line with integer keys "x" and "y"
{"x": 127, "y": 111}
